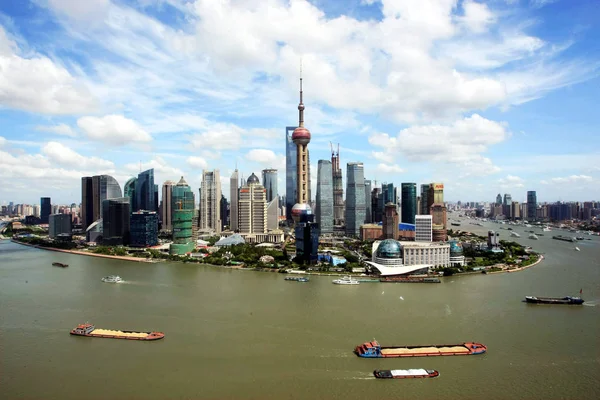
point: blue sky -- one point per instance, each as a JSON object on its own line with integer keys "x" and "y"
{"x": 487, "y": 97}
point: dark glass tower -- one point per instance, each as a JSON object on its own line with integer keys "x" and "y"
{"x": 269, "y": 181}
{"x": 355, "y": 198}
{"x": 290, "y": 172}
{"x": 409, "y": 202}
{"x": 115, "y": 219}
{"x": 424, "y": 199}
{"x": 531, "y": 205}
{"x": 45, "y": 209}
{"x": 145, "y": 191}
{"x": 324, "y": 201}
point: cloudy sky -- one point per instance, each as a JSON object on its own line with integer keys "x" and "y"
{"x": 487, "y": 97}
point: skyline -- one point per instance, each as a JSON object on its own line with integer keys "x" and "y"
{"x": 494, "y": 97}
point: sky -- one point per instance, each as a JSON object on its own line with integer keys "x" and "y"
{"x": 487, "y": 97}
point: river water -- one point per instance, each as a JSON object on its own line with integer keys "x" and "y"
{"x": 247, "y": 335}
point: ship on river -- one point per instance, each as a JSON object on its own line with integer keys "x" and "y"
{"x": 91, "y": 331}
{"x": 405, "y": 373}
{"x": 374, "y": 350}
{"x": 554, "y": 300}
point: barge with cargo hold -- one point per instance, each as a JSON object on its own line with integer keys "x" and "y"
{"x": 405, "y": 373}
{"x": 374, "y": 350}
{"x": 91, "y": 331}
{"x": 411, "y": 279}
{"x": 554, "y": 300}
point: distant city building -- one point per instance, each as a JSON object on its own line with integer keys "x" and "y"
{"x": 393, "y": 258}
{"x": 143, "y": 229}
{"x": 531, "y": 205}
{"x": 182, "y": 218}
{"x": 129, "y": 191}
{"x": 515, "y": 210}
{"x": 391, "y": 221}
{"x": 273, "y": 214}
{"x": 423, "y": 228}
{"x": 146, "y": 192}
{"x": 94, "y": 190}
{"x": 435, "y": 195}
{"x": 116, "y": 223}
{"x": 166, "y": 210}
{"x": 424, "y": 206}
{"x": 439, "y": 218}
{"x": 290, "y": 172}
{"x": 59, "y": 224}
{"x": 376, "y": 210}
{"x": 338, "y": 188}
{"x": 210, "y": 201}
{"x": 224, "y": 212}
{"x": 507, "y": 206}
{"x": 252, "y": 207}
{"x": 409, "y": 202}
{"x": 368, "y": 209}
{"x": 355, "y": 198}
{"x": 324, "y": 210}
{"x": 45, "y": 209}
{"x": 499, "y": 199}
{"x": 234, "y": 185}
{"x": 269, "y": 181}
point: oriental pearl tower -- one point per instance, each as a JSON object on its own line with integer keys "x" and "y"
{"x": 301, "y": 138}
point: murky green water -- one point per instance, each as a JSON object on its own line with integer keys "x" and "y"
{"x": 247, "y": 335}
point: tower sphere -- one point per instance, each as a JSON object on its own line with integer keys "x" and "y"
{"x": 301, "y": 135}
{"x": 299, "y": 210}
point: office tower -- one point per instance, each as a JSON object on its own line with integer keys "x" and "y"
{"x": 273, "y": 214}
{"x": 435, "y": 195}
{"x": 210, "y": 201}
{"x": 145, "y": 191}
{"x": 507, "y": 205}
{"x": 224, "y": 205}
{"x": 252, "y": 207}
{"x": 87, "y": 202}
{"x": 269, "y": 181}
{"x": 143, "y": 229}
{"x": 166, "y": 206}
{"x": 234, "y": 184}
{"x": 515, "y": 210}
{"x": 324, "y": 212}
{"x": 94, "y": 190}
{"x": 423, "y": 228}
{"x": 376, "y": 210}
{"x": 129, "y": 191}
{"x": 290, "y": 172}
{"x": 499, "y": 199}
{"x": 368, "y": 210}
{"x": 355, "y": 198}
{"x": 115, "y": 221}
{"x": 424, "y": 206}
{"x": 388, "y": 192}
{"x": 531, "y": 205}
{"x": 338, "y": 188}
{"x": 391, "y": 222}
{"x": 409, "y": 202}
{"x": 438, "y": 214}
{"x": 45, "y": 209}
{"x": 182, "y": 215}
{"x": 59, "y": 224}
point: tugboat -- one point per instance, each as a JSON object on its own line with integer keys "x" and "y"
{"x": 57, "y": 264}
{"x": 554, "y": 300}
{"x": 405, "y": 373}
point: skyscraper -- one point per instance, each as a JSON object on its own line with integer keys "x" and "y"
{"x": 45, "y": 209}
{"x": 499, "y": 199}
{"x": 143, "y": 229}
{"x": 94, "y": 190}
{"x": 423, "y": 228}
{"x": 409, "y": 202}
{"x": 167, "y": 206}
{"x": 507, "y": 206}
{"x": 115, "y": 221}
{"x": 87, "y": 202}
{"x": 129, "y": 191}
{"x": 290, "y": 172}
{"x": 269, "y": 181}
{"x": 253, "y": 207}
{"x": 368, "y": 216}
{"x": 234, "y": 186}
{"x": 145, "y": 191}
{"x": 324, "y": 211}
{"x": 531, "y": 205}
{"x": 182, "y": 213}
{"x": 338, "y": 187}
{"x": 355, "y": 198}
{"x": 424, "y": 209}
{"x": 224, "y": 212}
{"x": 391, "y": 222}
{"x": 210, "y": 201}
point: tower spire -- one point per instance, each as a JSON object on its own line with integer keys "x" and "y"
{"x": 301, "y": 105}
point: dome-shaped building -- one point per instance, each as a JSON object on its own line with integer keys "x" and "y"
{"x": 457, "y": 259}
{"x": 253, "y": 180}
{"x": 388, "y": 252}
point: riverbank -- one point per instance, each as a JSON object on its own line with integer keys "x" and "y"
{"x": 539, "y": 260}
{"x": 84, "y": 253}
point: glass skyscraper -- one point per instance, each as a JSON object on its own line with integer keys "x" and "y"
{"x": 424, "y": 199}
{"x": 324, "y": 200}
{"x": 368, "y": 210}
{"x": 144, "y": 229}
{"x": 269, "y": 181}
{"x": 291, "y": 164}
{"x": 355, "y": 198}
{"x": 182, "y": 214}
{"x": 45, "y": 209}
{"x": 145, "y": 189}
{"x": 409, "y": 202}
{"x": 115, "y": 219}
{"x": 531, "y": 205}
{"x": 129, "y": 191}
{"x": 94, "y": 190}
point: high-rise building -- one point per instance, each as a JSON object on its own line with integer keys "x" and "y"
{"x": 59, "y": 224}
{"x": 391, "y": 222}
{"x": 234, "y": 187}
{"x": 507, "y": 206}
{"x": 423, "y": 228}
{"x": 269, "y": 181}
{"x": 499, "y": 199}
{"x": 45, "y": 209}
{"x": 424, "y": 206}
{"x": 210, "y": 201}
{"x": 115, "y": 221}
{"x": 145, "y": 191}
{"x": 515, "y": 210}
{"x": 143, "y": 229}
{"x": 531, "y": 205}
{"x": 355, "y": 198}
{"x": 338, "y": 187}
{"x": 252, "y": 207}
{"x": 439, "y": 218}
{"x": 435, "y": 195}
{"x": 290, "y": 172}
{"x": 94, "y": 190}
{"x": 224, "y": 212}
{"x": 182, "y": 215}
{"x": 376, "y": 210}
{"x": 87, "y": 202}
{"x": 273, "y": 214}
{"x": 324, "y": 210}
{"x": 368, "y": 210}
{"x": 409, "y": 202}
{"x": 129, "y": 191}
{"x": 166, "y": 213}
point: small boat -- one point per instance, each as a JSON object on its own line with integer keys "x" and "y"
{"x": 346, "y": 280}
{"x": 577, "y": 248}
{"x": 554, "y": 300}
{"x": 91, "y": 331}
{"x": 533, "y": 236}
{"x": 57, "y": 264}
{"x": 405, "y": 373}
{"x": 374, "y": 350}
{"x": 112, "y": 279}
{"x": 546, "y": 229}
{"x": 297, "y": 278}
{"x": 514, "y": 234}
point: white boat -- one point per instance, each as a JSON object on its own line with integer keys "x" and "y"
{"x": 346, "y": 280}
{"x": 528, "y": 226}
{"x": 577, "y": 249}
{"x": 514, "y": 234}
{"x": 112, "y": 279}
{"x": 533, "y": 236}
{"x": 546, "y": 229}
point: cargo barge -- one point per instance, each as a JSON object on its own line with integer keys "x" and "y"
{"x": 564, "y": 238}
{"x": 91, "y": 331}
{"x": 405, "y": 373}
{"x": 57, "y": 264}
{"x": 554, "y": 300}
{"x": 374, "y": 350}
{"x": 411, "y": 279}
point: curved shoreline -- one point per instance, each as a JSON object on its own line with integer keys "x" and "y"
{"x": 84, "y": 253}
{"x": 539, "y": 260}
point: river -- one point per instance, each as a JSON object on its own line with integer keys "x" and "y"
{"x": 234, "y": 334}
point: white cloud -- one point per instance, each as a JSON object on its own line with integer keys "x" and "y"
{"x": 2, "y": 141}
{"x": 60, "y": 129}
{"x": 389, "y": 168}
{"x": 267, "y": 159}
{"x": 477, "y": 16}
{"x": 63, "y": 155}
{"x": 113, "y": 129}
{"x": 197, "y": 162}
{"x": 511, "y": 181}
{"x": 573, "y": 179}
{"x": 86, "y": 11}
